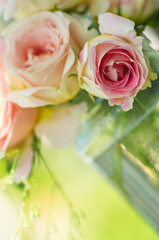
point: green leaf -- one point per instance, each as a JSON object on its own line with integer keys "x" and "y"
{"x": 119, "y": 9}
{"x": 73, "y": 75}
{"x": 91, "y": 97}
{"x": 153, "y": 19}
{"x": 3, "y": 167}
{"x": 139, "y": 29}
{"x": 151, "y": 75}
{"x": 93, "y": 25}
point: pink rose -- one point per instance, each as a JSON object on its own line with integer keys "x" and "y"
{"x": 15, "y": 123}
{"x": 41, "y": 56}
{"x": 112, "y": 65}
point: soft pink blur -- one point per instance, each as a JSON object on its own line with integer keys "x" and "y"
{"x": 15, "y": 123}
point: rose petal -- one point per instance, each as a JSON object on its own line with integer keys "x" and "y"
{"x": 98, "y": 6}
{"x": 67, "y": 4}
{"x": 24, "y": 165}
{"x": 38, "y": 96}
{"x": 79, "y": 33}
{"x": 23, "y": 125}
{"x": 113, "y": 24}
{"x": 10, "y": 9}
{"x": 92, "y": 88}
{"x": 63, "y": 128}
{"x": 126, "y": 103}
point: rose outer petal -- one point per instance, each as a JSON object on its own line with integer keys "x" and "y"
{"x": 119, "y": 25}
{"x": 63, "y": 127}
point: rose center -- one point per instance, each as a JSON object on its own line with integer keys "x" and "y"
{"x": 115, "y": 72}
{"x": 38, "y": 45}
{"x": 38, "y": 54}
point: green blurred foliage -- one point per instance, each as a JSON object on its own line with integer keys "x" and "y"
{"x": 108, "y": 215}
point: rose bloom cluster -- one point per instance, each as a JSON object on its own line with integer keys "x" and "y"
{"x": 137, "y": 10}
{"x": 48, "y": 55}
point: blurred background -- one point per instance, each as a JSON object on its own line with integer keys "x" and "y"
{"x": 102, "y": 214}
{"x": 105, "y": 214}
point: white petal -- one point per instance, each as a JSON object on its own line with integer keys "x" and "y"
{"x": 69, "y": 62}
{"x": 10, "y": 9}
{"x": 63, "y": 128}
{"x": 99, "y": 6}
{"x": 79, "y": 33}
{"x": 92, "y": 88}
{"x": 39, "y": 96}
{"x": 65, "y": 4}
{"x": 24, "y": 165}
{"x": 113, "y": 24}
{"x": 2, "y": 155}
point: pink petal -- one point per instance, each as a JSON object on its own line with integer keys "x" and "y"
{"x": 113, "y": 24}
{"x": 125, "y": 103}
{"x": 24, "y": 165}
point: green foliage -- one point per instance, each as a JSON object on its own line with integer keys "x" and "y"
{"x": 151, "y": 75}
{"x": 3, "y": 167}
{"x": 152, "y": 20}
{"x": 94, "y": 25}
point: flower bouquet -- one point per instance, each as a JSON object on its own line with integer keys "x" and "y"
{"x": 80, "y": 72}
